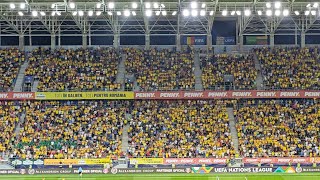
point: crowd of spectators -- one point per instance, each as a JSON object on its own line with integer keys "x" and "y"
{"x": 279, "y": 128}
{"x": 290, "y": 68}
{"x": 9, "y": 117}
{"x": 161, "y": 69}
{"x": 180, "y": 129}
{"x": 216, "y": 67}
{"x": 10, "y": 62}
{"x": 75, "y": 70}
{"x": 72, "y": 129}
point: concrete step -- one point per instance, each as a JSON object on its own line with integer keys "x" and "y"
{"x": 197, "y": 72}
{"x": 120, "y": 78}
{"x": 233, "y": 129}
{"x": 18, "y": 128}
{"x": 125, "y": 138}
{"x": 20, "y": 78}
{"x": 35, "y": 86}
{"x": 259, "y": 79}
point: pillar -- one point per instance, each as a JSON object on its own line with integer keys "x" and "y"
{"x": 53, "y": 42}
{"x": 296, "y": 36}
{"x": 240, "y": 42}
{"x": 303, "y": 39}
{"x": 209, "y": 42}
{"x": 272, "y": 40}
{"x": 84, "y": 40}
{"x": 21, "y": 42}
{"x": 116, "y": 41}
{"x": 89, "y": 35}
{"x": 147, "y": 47}
{"x": 178, "y": 42}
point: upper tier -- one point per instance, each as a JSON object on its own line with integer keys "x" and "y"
{"x": 105, "y": 69}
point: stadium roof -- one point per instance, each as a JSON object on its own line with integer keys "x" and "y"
{"x": 170, "y": 17}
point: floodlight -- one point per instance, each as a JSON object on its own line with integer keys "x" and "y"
{"x": 268, "y": 5}
{"x": 157, "y": 13}
{"x": 90, "y": 13}
{"x": 118, "y": 13}
{"x": 98, "y": 5}
{"x": 185, "y": 12}
{"x": 72, "y": 5}
{"x": 285, "y": 12}
{"x": 162, "y": 6}
{"x": 53, "y": 13}
{"x": 74, "y": 13}
{"x": 22, "y": 5}
{"x": 12, "y": 6}
{"x": 269, "y": 12}
{"x": 98, "y": 13}
{"x": 126, "y": 13}
{"x": 42, "y": 13}
{"x": 247, "y": 12}
{"x": 307, "y": 13}
{"x": 233, "y": 13}
{"x": 313, "y": 12}
{"x": 277, "y": 12}
{"x": 148, "y": 12}
{"x": 259, "y": 12}
{"x": 202, "y": 12}
{"x": 164, "y": 13}
{"x": 211, "y": 13}
{"x": 134, "y": 5}
{"x": 308, "y": 5}
{"x": 148, "y": 5}
{"x": 111, "y": 5}
{"x": 174, "y": 13}
{"x": 194, "y": 5}
{"x": 297, "y": 13}
{"x": 277, "y": 5}
{"x": 134, "y": 13}
{"x": 53, "y": 5}
{"x": 224, "y": 12}
{"x": 203, "y": 5}
{"x": 58, "y": 13}
{"x": 316, "y": 5}
{"x": 238, "y": 13}
{"x": 80, "y": 13}
{"x": 20, "y": 13}
{"x": 155, "y": 5}
{"x": 194, "y": 13}
{"x": 34, "y": 13}
{"x": 109, "y": 13}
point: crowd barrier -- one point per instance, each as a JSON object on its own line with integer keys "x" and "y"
{"x": 174, "y": 95}
{"x": 194, "y": 170}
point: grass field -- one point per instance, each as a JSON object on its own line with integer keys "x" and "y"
{"x": 269, "y": 176}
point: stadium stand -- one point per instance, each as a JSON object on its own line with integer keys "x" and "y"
{"x": 75, "y": 70}
{"x": 10, "y": 62}
{"x": 179, "y": 129}
{"x": 281, "y": 128}
{"x": 215, "y": 67}
{"x": 72, "y": 129}
{"x": 162, "y": 70}
{"x": 9, "y": 117}
{"x": 290, "y": 68}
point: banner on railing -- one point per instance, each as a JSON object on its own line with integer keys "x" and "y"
{"x": 281, "y": 160}
{"x": 195, "y": 161}
{"x": 76, "y": 161}
{"x": 146, "y": 160}
{"x": 17, "y": 96}
{"x": 226, "y": 94}
{"x": 83, "y": 95}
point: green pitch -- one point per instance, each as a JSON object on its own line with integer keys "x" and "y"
{"x": 165, "y": 177}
